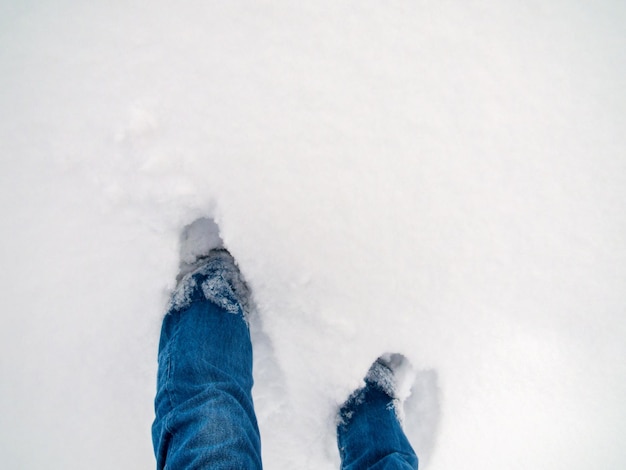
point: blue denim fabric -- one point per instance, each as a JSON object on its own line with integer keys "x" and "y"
{"x": 369, "y": 434}
{"x": 204, "y": 412}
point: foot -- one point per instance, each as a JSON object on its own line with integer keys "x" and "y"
{"x": 197, "y": 240}
{"x": 385, "y": 373}
{"x": 208, "y": 270}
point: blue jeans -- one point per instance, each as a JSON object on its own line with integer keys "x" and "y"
{"x": 204, "y": 412}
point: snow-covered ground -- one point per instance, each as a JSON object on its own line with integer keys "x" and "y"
{"x": 442, "y": 179}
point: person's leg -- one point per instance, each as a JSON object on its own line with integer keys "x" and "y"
{"x": 369, "y": 434}
{"x": 204, "y": 412}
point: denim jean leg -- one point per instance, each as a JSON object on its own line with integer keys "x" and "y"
{"x": 204, "y": 411}
{"x": 370, "y": 436}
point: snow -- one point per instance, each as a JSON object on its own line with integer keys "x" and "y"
{"x": 443, "y": 180}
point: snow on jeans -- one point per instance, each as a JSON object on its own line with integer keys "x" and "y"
{"x": 204, "y": 412}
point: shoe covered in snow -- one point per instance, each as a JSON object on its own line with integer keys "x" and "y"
{"x": 383, "y": 373}
{"x": 209, "y": 270}
{"x": 383, "y": 378}
{"x": 196, "y": 242}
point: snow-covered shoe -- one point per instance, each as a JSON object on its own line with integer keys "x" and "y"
{"x": 209, "y": 270}
{"x": 196, "y": 242}
{"x": 385, "y": 371}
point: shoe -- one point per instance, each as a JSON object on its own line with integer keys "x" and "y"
{"x": 383, "y": 374}
{"x": 197, "y": 240}
{"x": 208, "y": 270}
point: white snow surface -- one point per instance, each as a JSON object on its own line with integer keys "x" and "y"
{"x": 445, "y": 180}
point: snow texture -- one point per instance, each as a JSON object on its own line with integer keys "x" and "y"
{"x": 445, "y": 180}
